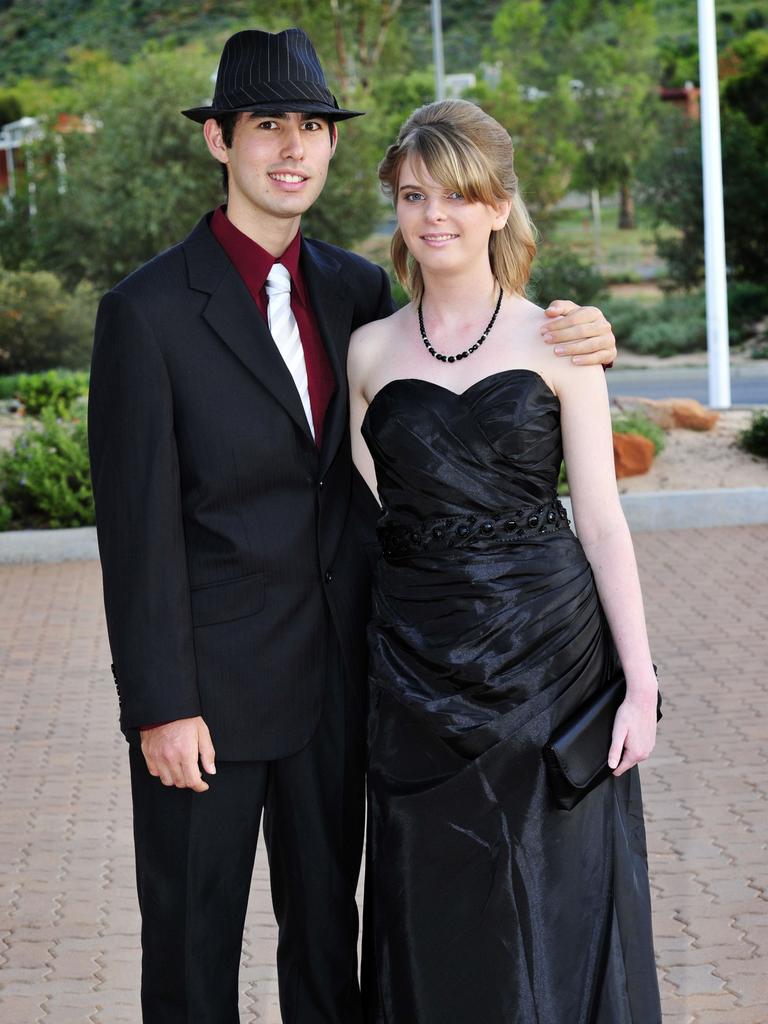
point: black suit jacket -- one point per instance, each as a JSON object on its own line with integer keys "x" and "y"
{"x": 228, "y": 542}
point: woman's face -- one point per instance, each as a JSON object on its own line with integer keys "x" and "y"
{"x": 443, "y": 231}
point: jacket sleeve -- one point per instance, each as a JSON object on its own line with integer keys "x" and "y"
{"x": 135, "y": 472}
{"x": 386, "y": 304}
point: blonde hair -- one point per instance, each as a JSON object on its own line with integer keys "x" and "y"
{"x": 466, "y": 150}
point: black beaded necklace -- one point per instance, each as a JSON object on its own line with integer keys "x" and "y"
{"x": 467, "y": 351}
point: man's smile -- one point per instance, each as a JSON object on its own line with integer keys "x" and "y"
{"x": 288, "y": 177}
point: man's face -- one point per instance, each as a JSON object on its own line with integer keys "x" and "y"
{"x": 277, "y": 163}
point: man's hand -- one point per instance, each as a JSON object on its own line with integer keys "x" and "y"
{"x": 581, "y": 332}
{"x": 174, "y": 751}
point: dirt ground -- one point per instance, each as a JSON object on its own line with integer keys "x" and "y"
{"x": 695, "y": 460}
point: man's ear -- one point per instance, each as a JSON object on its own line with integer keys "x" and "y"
{"x": 214, "y": 139}
{"x": 334, "y": 136}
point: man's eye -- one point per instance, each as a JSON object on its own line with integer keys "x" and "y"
{"x": 311, "y": 126}
{"x": 267, "y": 125}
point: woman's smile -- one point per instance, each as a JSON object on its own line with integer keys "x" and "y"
{"x": 437, "y": 241}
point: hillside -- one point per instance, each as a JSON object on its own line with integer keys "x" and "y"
{"x": 35, "y": 35}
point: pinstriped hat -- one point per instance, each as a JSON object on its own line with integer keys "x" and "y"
{"x": 274, "y": 71}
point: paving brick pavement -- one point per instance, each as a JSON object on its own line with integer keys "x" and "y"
{"x": 68, "y": 918}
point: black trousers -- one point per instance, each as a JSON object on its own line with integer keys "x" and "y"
{"x": 194, "y": 861}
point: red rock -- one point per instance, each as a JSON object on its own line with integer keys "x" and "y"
{"x": 632, "y": 454}
{"x": 670, "y": 412}
{"x": 690, "y": 414}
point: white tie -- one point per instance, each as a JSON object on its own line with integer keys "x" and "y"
{"x": 285, "y": 332}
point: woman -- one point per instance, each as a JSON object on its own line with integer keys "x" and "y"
{"x": 487, "y": 904}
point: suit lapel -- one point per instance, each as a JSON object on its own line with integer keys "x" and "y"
{"x": 236, "y": 319}
{"x": 333, "y": 308}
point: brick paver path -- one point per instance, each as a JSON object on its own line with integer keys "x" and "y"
{"x": 68, "y": 918}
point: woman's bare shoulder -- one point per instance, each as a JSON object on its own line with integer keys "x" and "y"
{"x": 368, "y": 341}
{"x": 370, "y": 346}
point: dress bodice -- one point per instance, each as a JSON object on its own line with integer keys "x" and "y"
{"x": 494, "y": 446}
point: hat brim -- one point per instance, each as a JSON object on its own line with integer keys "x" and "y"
{"x": 201, "y": 114}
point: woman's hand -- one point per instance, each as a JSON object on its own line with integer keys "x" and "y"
{"x": 634, "y": 733}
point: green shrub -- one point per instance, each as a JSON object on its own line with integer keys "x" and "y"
{"x": 624, "y": 316}
{"x": 755, "y": 438}
{"x": 559, "y": 274}
{"x": 44, "y": 478}
{"x": 55, "y": 390}
{"x": 636, "y": 423}
{"x": 747, "y": 300}
{"x": 679, "y": 322}
{"x": 8, "y": 386}
{"x": 668, "y": 338}
{"x": 42, "y": 323}
{"x": 747, "y": 303}
{"x": 676, "y": 324}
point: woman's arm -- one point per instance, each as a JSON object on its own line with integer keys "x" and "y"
{"x": 603, "y": 532}
{"x": 358, "y": 360}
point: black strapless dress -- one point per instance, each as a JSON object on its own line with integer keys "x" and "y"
{"x": 484, "y": 903}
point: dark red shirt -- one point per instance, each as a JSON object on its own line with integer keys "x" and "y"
{"x": 254, "y": 263}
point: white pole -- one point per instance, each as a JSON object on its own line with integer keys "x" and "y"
{"x": 437, "y": 49}
{"x": 714, "y": 226}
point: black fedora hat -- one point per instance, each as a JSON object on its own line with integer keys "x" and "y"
{"x": 271, "y": 71}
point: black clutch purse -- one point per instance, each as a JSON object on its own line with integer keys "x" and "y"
{"x": 576, "y": 756}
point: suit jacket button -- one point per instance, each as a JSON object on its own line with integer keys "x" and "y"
{"x": 321, "y": 484}
{"x": 329, "y": 577}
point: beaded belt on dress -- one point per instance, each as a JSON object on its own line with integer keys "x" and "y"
{"x": 400, "y": 538}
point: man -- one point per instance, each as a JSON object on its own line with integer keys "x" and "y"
{"x": 235, "y": 578}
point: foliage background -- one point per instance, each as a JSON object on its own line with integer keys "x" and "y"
{"x": 576, "y": 83}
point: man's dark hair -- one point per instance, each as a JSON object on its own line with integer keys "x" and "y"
{"x": 227, "y": 124}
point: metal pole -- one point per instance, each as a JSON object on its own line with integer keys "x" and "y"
{"x": 714, "y": 226}
{"x": 437, "y": 49}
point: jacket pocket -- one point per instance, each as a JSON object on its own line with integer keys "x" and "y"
{"x": 228, "y": 600}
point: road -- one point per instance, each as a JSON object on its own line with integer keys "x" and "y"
{"x": 749, "y": 383}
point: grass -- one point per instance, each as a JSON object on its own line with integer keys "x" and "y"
{"x": 627, "y": 255}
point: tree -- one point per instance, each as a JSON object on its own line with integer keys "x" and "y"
{"x": 137, "y": 175}
{"x": 533, "y": 102}
{"x": 362, "y": 45}
{"x": 544, "y": 155}
{"x": 613, "y": 83}
{"x": 10, "y": 108}
{"x": 673, "y": 185}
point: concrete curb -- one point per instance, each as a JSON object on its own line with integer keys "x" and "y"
{"x": 77, "y": 545}
{"x": 682, "y": 510}
{"x": 655, "y": 510}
